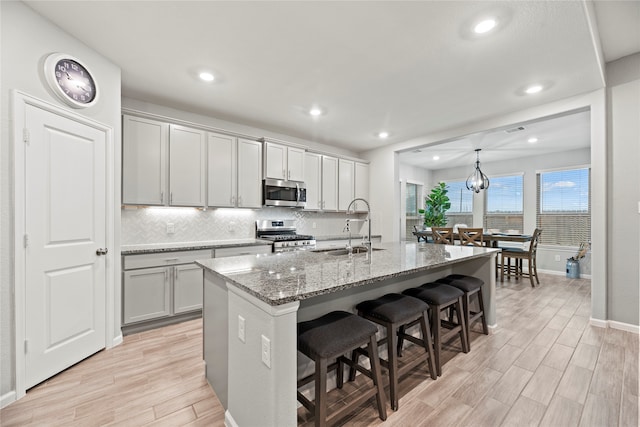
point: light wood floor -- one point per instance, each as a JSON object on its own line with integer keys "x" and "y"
{"x": 544, "y": 366}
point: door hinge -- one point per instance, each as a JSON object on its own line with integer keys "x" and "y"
{"x": 26, "y": 241}
{"x": 26, "y": 136}
{"x": 26, "y": 346}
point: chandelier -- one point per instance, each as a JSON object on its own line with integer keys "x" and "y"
{"x": 477, "y": 180}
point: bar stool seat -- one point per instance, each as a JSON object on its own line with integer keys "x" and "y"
{"x": 470, "y": 286}
{"x": 439, "y": 297}
{"x": 394, "y": 312}
{"x": 330, "y": 337}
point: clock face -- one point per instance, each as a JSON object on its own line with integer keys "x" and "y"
{"x": 71, "y": 80}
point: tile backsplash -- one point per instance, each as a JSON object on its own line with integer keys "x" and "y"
{"x": 149, "y": 225}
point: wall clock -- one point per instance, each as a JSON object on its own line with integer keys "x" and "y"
{"x": 70, "y": 80}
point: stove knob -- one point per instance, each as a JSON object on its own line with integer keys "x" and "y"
{"x": 295, "y": 243}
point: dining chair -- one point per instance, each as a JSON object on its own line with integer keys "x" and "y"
{"x": 518, "y": 255}
{"x": 471, "y": 236}
{"x": 442, "y": 235}
{"x": 415, "y": 233}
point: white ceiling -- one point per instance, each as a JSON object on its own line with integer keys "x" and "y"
{"x": 567, "y": 132}
{"x": 410, "y": 68}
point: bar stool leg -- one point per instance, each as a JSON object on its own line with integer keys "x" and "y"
{"x": 483, "y": 319}
{"x": 435, "y": 326}
{"x": 320, "y": 413}
{"x": 392, "y": 344}
{"x": 376, "y": 373}
{"x": 463, "y": 330}
{"x": 426, "y": 337}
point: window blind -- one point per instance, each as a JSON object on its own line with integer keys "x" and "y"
{"x": 564, "y": 206}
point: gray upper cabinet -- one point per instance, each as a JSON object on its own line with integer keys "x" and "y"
{"x": 249, "y": 174}
{"x": 162, "y": 164}
{"x": 222, "y": 170}
{"x": 284, "y": 162}
{"x": 313, "y": 180}
{"x": 144, "y": 161}
{"x": 187, "y": 162}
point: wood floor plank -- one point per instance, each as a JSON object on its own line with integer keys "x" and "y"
{"x": 562, "y": 412}
{"x": 585, "y": 356}
{"x": 543, "y": 384}
{"x": 476, "y": 386}
{"x": 531, "y": 357}
{"x": 574, "y": 384}
{"x": 509, "y": 387}
{"x": 524, "y": 413}
{"x": 487, "y": 413}
{"x": 600, "y": 411}
{"x": 558, "y": 357}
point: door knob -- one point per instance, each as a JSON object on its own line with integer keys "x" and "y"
{"x": 101, "y": 251}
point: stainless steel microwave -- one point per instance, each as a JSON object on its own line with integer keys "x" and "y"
{"x": 284, "y": 193}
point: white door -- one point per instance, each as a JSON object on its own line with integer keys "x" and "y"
{"x": 65, "y": 196}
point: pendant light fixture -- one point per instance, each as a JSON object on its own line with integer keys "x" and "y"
{"x": 477, "y": 180}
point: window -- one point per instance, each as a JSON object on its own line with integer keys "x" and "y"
{"x": 564, "y": 207}
{"x": 413, "y": 202}
{"x": 461, "y": 211}
{"x": 504, "y": 204}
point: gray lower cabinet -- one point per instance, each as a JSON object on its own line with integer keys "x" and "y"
{"x": 160, "y": 286}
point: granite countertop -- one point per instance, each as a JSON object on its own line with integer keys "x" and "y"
{"x": 345, "y": 237}
{"x": 189, "y": 246}
{"x": 279, "y": 278}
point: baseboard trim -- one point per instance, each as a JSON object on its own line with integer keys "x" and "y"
{"x": 7, "y": 398}
{"x": 624, "y": 326}
{"x": 228, "y": 420}
{"x": 627, "y": 327}
{"x": 117, "y": 340}
{"x": 562, "y": 273}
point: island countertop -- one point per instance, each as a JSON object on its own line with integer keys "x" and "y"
{"x": 280, "y": 278}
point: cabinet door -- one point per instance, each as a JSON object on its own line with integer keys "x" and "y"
{"x": 275, "y": 161}
{"x": 361, "y": 185}
{"x": 345, "y": 183}
{"x": 188, "y": 281}
{"x": 249, "y": 174}
{"x": 295, "y": 164}
{"x": 144, "y": 161}
{"x": 186, "y": 166}
{"x": 329, "y": 183}
{"x": 313, "y": 180}
{"x": 146, "y": 294}
{"x": 221, "y": 170}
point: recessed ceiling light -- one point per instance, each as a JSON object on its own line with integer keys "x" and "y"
{"x": 436, "y": 157}
{"x": 383, "y": 135}
{"x": 533, "y": 89}
{"x": 485, "y": 26}
{"x": 532, "y": 140}
{"x": 315, "y": 112}
{"x": 207, "y": 77}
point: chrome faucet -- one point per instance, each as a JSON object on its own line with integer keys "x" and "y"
{"x": 368, "y": 242}
{"x": 347, "y": 228}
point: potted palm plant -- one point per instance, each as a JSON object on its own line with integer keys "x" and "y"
{"x": 435, "y": 206}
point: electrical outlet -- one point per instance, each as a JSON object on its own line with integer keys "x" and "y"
{"x": 171, "y": 228}
{"x": 313, "y": 225}
{"x": 266, "y": 351}
{"x": 558, "y": 258}
{"x": 241, "y": 328}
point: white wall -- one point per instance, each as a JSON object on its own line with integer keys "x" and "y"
{"x": 546, "y": 255}
{"x": 26, "y": 39}
{"x": 623, "y": 80}
{"x": 415, "y": 175}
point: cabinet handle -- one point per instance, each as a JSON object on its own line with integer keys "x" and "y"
{"x": 175, "y": 274}
{"x": 166, "y": 276}
{"x": 239, "y": 200}
{"x": 170, "y": 259}
{"x": 289, "y": 176}
{"x": 171, "y": 198}
{"x": 162, "y": 197}
{"x": 284, "y": 173}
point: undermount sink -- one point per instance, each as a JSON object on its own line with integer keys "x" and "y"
{"x": 355, "y": 250}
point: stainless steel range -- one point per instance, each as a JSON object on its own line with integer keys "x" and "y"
{"x": 283, "y": 235}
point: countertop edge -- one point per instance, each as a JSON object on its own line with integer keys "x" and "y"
{"x": 190, "y": 246}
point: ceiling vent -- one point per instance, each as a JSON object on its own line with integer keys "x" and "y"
{"x": 512, "y": 130}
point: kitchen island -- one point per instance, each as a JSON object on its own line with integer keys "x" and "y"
{"x": 252, "y": 304}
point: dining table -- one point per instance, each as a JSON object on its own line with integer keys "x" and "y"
{"x": 489, "y": 239}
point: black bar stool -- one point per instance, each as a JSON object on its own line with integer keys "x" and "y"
{"x": 393, "y": 312}
{"x": 440, "y": 297}
{"x": 330, "y": 337}
{"x": 470, "y": 286}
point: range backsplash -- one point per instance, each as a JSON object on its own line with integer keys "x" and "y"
{"x": 149, "y": 225}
